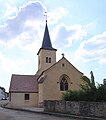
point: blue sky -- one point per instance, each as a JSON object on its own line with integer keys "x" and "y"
{"x": 77, "y": 29}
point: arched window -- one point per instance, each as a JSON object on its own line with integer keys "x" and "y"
{"x": 48, "y": 60}
{"x": 63, "y": 84}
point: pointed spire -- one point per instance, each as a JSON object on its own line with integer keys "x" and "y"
{"x": 46, "y": 39}
{"x": 46, "y": 44}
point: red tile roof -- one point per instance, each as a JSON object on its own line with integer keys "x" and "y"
{"x": 24, "y": 83}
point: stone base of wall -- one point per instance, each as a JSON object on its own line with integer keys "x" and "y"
{"x": 82, "y": 108}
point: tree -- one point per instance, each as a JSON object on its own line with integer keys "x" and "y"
{"x": 90, "y": 82}
{"x": 2, "y": 88}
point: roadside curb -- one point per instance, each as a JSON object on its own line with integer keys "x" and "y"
{"x": 56, "y": 114}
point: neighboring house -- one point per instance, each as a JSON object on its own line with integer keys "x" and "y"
{"x": 50, "y": 81}
{"x": 2, "y": 93}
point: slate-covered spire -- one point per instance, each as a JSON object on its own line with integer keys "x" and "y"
{"x": 46, "y": 44}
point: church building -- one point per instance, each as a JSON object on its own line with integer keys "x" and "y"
{"x": 50, "y": 81}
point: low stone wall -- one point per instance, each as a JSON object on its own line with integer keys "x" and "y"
{"x": 3, "y": 102}
{"x": 97, "y": 109}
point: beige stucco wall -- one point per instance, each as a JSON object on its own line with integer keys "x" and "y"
{"x": 42, "y": 65}
{"x": 51, "y": 85}
{"x": 40, "y": 96}
{"x": 17, "y": 99}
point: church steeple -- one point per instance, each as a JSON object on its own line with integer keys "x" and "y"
{"x": 46, "y": 44}
{"x": 46, "y": 54}
{"x": 46, "y": 39}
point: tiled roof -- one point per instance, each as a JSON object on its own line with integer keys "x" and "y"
{"x": 24, "y": 83}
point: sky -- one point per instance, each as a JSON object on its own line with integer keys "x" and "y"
{"x": 77, "y": 28}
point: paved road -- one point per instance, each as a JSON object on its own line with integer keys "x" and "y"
{"x": 6, "y": 114}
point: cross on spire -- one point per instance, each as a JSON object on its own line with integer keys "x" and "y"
{"x": 45, "y": 16}
{"x": 62, "y": 54}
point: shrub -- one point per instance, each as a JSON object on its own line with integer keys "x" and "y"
{"x": 88, "y": 92}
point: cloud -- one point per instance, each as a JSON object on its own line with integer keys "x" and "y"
{"x": 65, "y": 35}
{"x": 25, "y": 28}
{"x": 10, "y": 11}
{"x": 26, "y": 41}
{"x": 1, "y": 56}
{"x": 13, "y": 27}
{"x": 55, "y": 16}
{"x": 93, "y": 49}
{"x": 90, "y": 27}
{"x": 10, "y": 65}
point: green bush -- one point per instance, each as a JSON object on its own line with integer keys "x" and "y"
{"x": 99, "y": 95}
{"x": 88, "y": 92}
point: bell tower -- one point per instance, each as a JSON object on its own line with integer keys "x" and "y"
{"x": 46, "y": 54}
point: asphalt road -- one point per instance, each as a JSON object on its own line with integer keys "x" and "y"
{"x": 6, "y": 114}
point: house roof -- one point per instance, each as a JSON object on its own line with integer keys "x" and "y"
{"x": 23, "y": 83}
